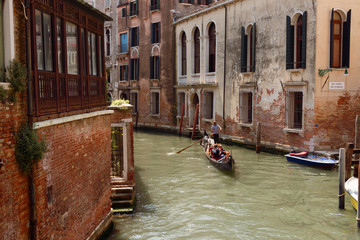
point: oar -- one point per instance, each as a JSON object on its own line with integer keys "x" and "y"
{"x": 189, "y": 146}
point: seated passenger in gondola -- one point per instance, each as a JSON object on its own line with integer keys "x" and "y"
{"x": 216, "y": 152}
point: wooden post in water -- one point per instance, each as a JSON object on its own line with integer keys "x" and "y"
{"x": 258, "y": 137}
{"x": 182, "y": 118}
{"x": 195, "y": 118}
{"x": 348, "y": 162}
{"x": 342, "y": 178}
{"x": 357, "y": 144}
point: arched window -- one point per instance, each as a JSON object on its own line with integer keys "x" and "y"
{"x": 212, "y": 47}
{"x": 340, "y": 39}
{"x": 196, "y": 51}
{"x": 183, "y": 54}
{"x": 248, "y": 44}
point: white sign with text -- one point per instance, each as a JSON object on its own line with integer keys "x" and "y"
{"x": 336, "y": 85}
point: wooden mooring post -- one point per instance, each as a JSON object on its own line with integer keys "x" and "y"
{"x": 342, "y": 178}
{"x": 258, "y": 137}
{"x": 182, "y": 118}
{"x": 195, "y": 118}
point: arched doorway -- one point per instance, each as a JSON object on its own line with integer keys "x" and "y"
{"x": 123, "y": 96}
{"x": 194, "y": 102}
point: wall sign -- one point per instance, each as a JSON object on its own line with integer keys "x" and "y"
{"x": 336, "y": 85}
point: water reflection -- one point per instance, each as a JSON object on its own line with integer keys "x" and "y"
{"x": 182, "y": 196}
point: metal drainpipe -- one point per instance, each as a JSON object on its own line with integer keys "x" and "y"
{"x": 224, "y": 66}
{"x": 33, "y": 218}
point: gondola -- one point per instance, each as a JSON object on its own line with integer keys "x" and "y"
{"x": 225, "y": 163}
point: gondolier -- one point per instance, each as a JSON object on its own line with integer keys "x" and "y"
{"x": 215, "y": 130}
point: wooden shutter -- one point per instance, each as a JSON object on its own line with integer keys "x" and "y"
{"x": 151, "y": 67}
{"x": 152, "y": 32}
{"x": 159, "y": 31}
{"x": 137, "y": 7}
{"x": 137, "y": 69}
{"x": 126, "y": 73}
{"x": 192, "y": 1}
{"x": 287, "y": 106}
{"x": 137, "y": 36}
{"x": 331, "y": 38}
{"x": 132, "y": 70}
{"x": 303, "y": 31}
{"x": 241, "y": 107}
{"x": 346, "y": 41}
{"x": 158, "y": 67}
{"x": 289, "y": 44}
{"x": 253, "y": 48}
{"x": 243, "y": 50}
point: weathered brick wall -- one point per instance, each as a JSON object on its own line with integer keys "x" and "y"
{"x": 14, "y": 198}
{"x": 73, "y": 180}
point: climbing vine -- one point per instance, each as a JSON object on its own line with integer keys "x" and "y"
{"x": 15, "y": 75}
{"x": 29, "y": 149}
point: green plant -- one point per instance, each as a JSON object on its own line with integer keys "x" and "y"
{"x": 3, "y": 94}
{"x": 28, "y": 148}
{"x": 16, "y": 76}
{"x": 121, "y": 103}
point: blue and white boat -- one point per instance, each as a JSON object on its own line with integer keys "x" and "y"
{"x": 312, "y": 160}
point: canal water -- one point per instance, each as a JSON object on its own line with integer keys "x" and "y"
{"x": 182, "y": 196}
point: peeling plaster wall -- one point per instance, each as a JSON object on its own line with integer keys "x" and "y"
{"x": 270, "y": 79}
{"x": 335, "y": 110}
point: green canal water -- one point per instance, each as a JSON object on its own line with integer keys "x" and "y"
{"x": 182, "y": 196}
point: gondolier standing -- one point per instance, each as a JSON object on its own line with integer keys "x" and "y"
{"x": 215, "y": 129}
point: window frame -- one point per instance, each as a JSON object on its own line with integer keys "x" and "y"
{"x": 124, "y": 73}
{"x": 208, "y": 107}
{"x": 123, "y": 44}
{"x": 183, "y": 50}
{"x": 155, "y": 67}
{"x": 134, "y": 36}
{"x": 196, "y": 51}
{"x": 248, "y": 48}
{"x": 154, "y": 5}
{"x": 133, "y": 8}
{"x": 293, "y": 122}
{"x": 212, "y": 48}
{"x": 180, "y": 102}
{"x": 246, "y": 107}
{"x": 134, "y": 69}
{"x": 155, "y": 32}
{"x": 156, "y": 111}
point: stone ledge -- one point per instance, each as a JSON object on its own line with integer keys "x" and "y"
{"x": 102, "y": 227}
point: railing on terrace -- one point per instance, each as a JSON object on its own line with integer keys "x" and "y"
{"x": 57, "y": 94}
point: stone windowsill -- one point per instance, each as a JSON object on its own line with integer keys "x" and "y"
{"x": 195, "y": 75}
{"x": 246, "y": 125}
{"x": 247, "y": 74}
{"x": 155, "y": 115}
{"x": 293, "y": 130}
{"x": 295, "y": 70}
{"x": 207, "y": 120}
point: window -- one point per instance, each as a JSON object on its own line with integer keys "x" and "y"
{"x": 155, "y": 32}
{"x": 154, "y": 67}
{"x": 204, "y": 2}
{"x": 212, "y": 47}
{"x": 59, "y": 41}
{"x": 197, "y": 51}
{"x": 117, "y": 151}
{"x": 108, "y": 40}
{"x": 92, "y": 53}
{"x": 44, "y": 41}
{"x": 134, "y": 36}
{"x": 101, "y": 67}
{"x": 124, "y": 73}
{"x": 296, "y": 41}
{"x": 84, "y": 45}
{"x": 134, "y": 101}
{"x": 155, "y": 103}
{"x": 340, "y": 39}
{"x": 248, "y": 43}
{"x": 123, "y": 12}
{"x": 186, "y": 1}
{"x": 246, "y": 107}
{"x": 123, "y": 42}
{"x": 134, "y": 8}
{"x": 294, "y": 109}
{"x": 134, "y": 69}
{"x": 208, "y": 105}
{"x": 154, "y": 5}
{"x": 72, "y": 48}
{"x": 181, "y": 102}
{"x": 183, "y": 54}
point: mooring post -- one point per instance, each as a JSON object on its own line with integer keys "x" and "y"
{"x": 182, "y": 117}
{"x": 342, "y": 178}
{"x": 258, "y": 137}
{"x": 195, "y": 118}
{"x": 348, "y": 159}
{"x": 358, "y": 202}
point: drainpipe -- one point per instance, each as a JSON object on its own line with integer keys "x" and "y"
{"x": 224, "y": 66}
{"x": 33, "y": 218}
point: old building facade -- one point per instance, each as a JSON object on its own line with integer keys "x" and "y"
{"x": 272, "y": 68}
{"x": 66, "y": 197}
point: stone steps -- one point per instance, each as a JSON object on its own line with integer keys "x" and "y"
{"x": 123, "y": 198}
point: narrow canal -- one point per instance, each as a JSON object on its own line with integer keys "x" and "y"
{"x": 182, "y": 196}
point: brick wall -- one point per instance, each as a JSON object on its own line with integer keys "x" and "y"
{"x": 73, "y": 180}
{"x": 14, "y": 198}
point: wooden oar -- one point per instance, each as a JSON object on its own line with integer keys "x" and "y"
{"x": 189, "y": 146}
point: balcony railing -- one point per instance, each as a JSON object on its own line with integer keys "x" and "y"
{"x": 58, "y": 94}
